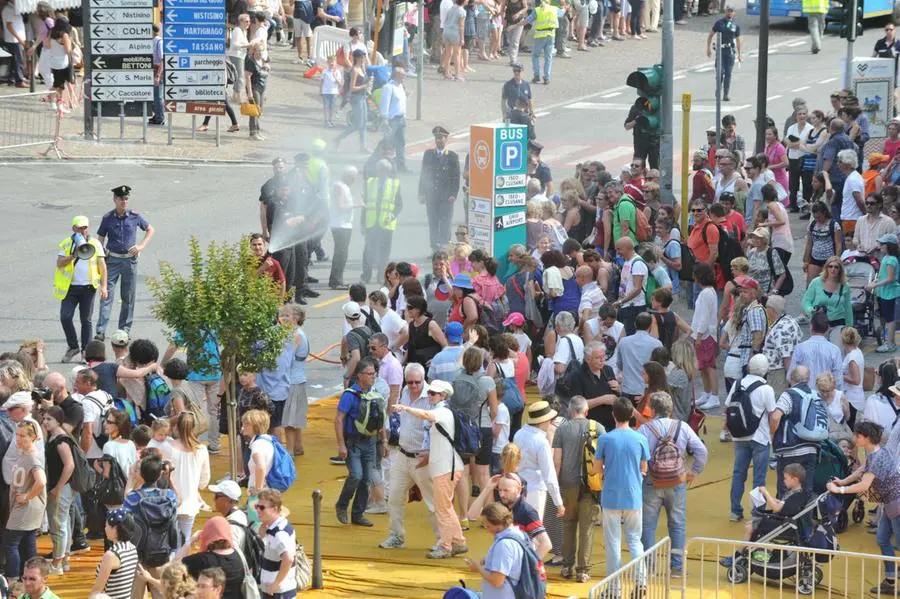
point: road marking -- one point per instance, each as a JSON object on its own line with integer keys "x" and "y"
{"x": 610, "y": 155}
{"x": 704, "y": 69}
{"x": 775, "y": 97}
{"x": 328, "y": 302}
{"x": 675, "y": 107}
{"x": 542, "y": 113}
{"x": 460, "y": 135}
{"x": 680, "y": 76}
{"x": 795, "y": 44}
{"x": 557, "y": 153}
{"x": 800, "y": 89}
{"x": 611, "y": 95}
{"x": 829, "y": 80}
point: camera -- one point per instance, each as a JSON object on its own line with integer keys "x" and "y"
{"x": 41, "y": 394}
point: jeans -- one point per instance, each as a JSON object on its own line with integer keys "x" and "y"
{"x": 82, "y": 297}
{"x": 228, "y": 110}
{"x": 635, "y": 16}
{"x": 727, "y": 67}
{"x": 745, "y": 453}
{"x": 403, "y": 475}
{"x": 678, "y": 10}
{"x": 359, "y": 114}
{"x": 159, "y": 113}
{"x": 674, "y": 500}
{"x": 887, "y": 528}
{"x": 126, "y": 269}
{"x": 185, "y": 526}
{"x": 360, "y": 463}
{"x": 808, "y": 462}
{"x": 18, "y": 60}
{"x": 207, "y": 392}
{"x": 816, "y": 23}
{"x": 543, "y": 46}
{"x": 440, "y": 220}
{"x": 58, "y": 518}
{"x": 514, "y": 37}
{"x": 259, "y": 96}
{"x": 339, "y": 259}
{"x": 613, "y": 521}
{"x": 76, "y": 517}
{"x": 19, "y": 546}
{"x": 397, "y": 133}
{"x": 377, "y": 251}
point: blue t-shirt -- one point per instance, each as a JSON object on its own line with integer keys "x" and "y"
{"x": 211, "y": 355}
{"x": 298, "y": 366}
{"x": 729, "y": 30}
{"x": 622, "y": 451}
{"x": 505, "y": 557}
{"x": 348, "y": 405}
{"x": 672, "y": 251}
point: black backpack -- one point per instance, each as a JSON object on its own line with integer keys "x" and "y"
{"x": 788, "y": 284}
{"x": 156, "y": 533}
{"x": 729, "y": 248}
{"x": 739, "y": 417}
{"x": 371, "y": 321}
{"x": 83, "y": 477}
{"x": 564, "y": 382}
{"x": 252, "y": 549}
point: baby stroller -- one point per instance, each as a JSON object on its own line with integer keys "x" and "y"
{"x": 812, "y": 527}
{"x": 378, "y": 77}
{"x": 833, "y": 464}
{"x": 861, "y": 270}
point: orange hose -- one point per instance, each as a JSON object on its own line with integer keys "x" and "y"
{"x": 319, "y": 355}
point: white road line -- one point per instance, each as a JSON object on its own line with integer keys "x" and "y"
{"x": 677, "y": 77}
{"x": 557, "y": 153}
{"x": 676, "y": 107}
{"x": 460, "y": 135}
{"x": 542, "y": 113}
{"x": 611, "y": 95}
{"x": 829, "y": 80}
{"x": 775, "y": 97}
{"x": 609, "y": 155}
{"x": 773, "y": 50}
{"x": 795, "y": 44}
{"x": 800, "y": 89}
{"x": 704, "y": 69}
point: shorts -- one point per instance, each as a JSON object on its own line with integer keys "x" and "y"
{"x": 614, "y": 7}
{"x": 817, "y": 262}
{"x": 487, "y": 442}
{"x": 296, "y": 408}
{"x": 277, "y": 414}
{"x": 469, "y": 43}
{"x": 495, "y": 463}
{"x": 583, "y": 15}
{"x": 451, "y": 39}
{"x": 61, "y": 77}
{"x": 886, "y": 308}
{"x": 706, "y": 353}
{"x": 302, "y": 28}
{"x": 483, "y": 27}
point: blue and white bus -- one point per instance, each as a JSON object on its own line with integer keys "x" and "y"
{"x": 794, "y": 8}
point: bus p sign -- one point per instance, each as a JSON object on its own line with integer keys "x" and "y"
{"x": 511, "y": 156}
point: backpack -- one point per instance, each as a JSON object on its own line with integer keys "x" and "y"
{"x": 126, "y": 406}
{"x": 303, "y": 10}
{"x": 563, "y": 383}
{"x": 159, "y": 394}
{"x": 739, "y": 417}
{"x": 371, "y": 416}
{"x": 466, "y": 439}
{"x": 592, "y": 483}
{"x": 810, "y": 417}
{"x": 642, "y": 232}
{"x": 230, "y": 73}
{"x": 788, "y": 284}
{"x": 512, "y": 396}
{"x": 729, "y": 248}
{"x": 155, "y": 534}
{"x": 612, "y": 286}
{"x": 371, "y": 321}
{"x": 83, "y": 477}
{"x": 282, "y": 474}
{"x": 105, "y": 406}
{"x": 650, "y": 286}
{"x": 252, "y": 549}
{"x": 687, "y": 263}
{"x": 492, "y": 314}
{"x": 532, "y": 583}
{"x": 666, "y": 465}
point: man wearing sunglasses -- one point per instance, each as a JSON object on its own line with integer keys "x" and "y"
{"x": 277, "y": 578}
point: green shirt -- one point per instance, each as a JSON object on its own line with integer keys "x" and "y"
{"x": 625, "y": 210}
{"x": 891, "y": 290}
{"x": 837, "y": 305}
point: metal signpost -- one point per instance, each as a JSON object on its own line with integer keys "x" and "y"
{"x": 194, "y": 59}
{"x": 118, "y": 43}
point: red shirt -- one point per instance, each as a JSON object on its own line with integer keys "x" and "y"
{"x": 271, "y": 267}
{"x": 734, "y": 221}
{"x": 702, "y": 187}
{"x": 701, "y": 250}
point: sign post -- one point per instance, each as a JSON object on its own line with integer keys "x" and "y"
{"x": 194, "y": 57}
{"x": 498, "y": 160}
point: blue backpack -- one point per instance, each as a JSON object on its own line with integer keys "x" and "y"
{"x": 532, "y": 583}
{"x": 466, "y": 439}
{"x": 806, "y": 424}
{"x": 159, "y": 394}
{"x": 460, "y": 592}
{"x": 282, "y": 474}
{"x": 512, "y": 396}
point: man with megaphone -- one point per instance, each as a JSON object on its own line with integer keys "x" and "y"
{"x": 80, "y": 273}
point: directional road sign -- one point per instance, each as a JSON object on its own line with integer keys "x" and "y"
{"x": 194, "y": 15}
{"x": 210, "y": 108}
{"x": 213, "y": 31}
{"x": 195, "y": 92}
{"x": 198, "y": 63}
{"x": 194, "y": 45}
{"x": 195, "y": 77}
{"x": 119, "y": 42}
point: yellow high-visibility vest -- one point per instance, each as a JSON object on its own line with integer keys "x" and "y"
{"x": 63, "y": 277}
{"x": 380, "y": 210}
{"x": 546, "y": 20}
{"x": 815, "y": 6}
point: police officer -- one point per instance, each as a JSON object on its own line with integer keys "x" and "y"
{"x": 77, "y": 279}
{"x": 298, "y": 222}
{"x": 118, "y": 230}
{"x": 514, "y": 89}
{"x": 731, "y": 45}
{"x": 889, "y": 45}
{"x": 438, "y": 187}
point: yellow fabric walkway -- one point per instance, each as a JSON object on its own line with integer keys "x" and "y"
{"x": 354, "y": 565}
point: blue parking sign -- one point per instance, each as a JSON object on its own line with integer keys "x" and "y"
{"x": 511, "y": 155}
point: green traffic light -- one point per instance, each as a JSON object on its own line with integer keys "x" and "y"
{"x": 647, "y": 80}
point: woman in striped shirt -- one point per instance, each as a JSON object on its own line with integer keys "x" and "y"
{"x": 116, "y": 570}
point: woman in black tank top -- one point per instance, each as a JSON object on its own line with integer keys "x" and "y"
{"x": 426, "y": 338}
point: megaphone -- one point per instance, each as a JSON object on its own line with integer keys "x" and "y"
{"x": 85, "y": 251}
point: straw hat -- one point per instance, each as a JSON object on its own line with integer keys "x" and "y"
{"x": 538, "y": 412}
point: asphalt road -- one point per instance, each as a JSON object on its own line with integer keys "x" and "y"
{"x": 220, "y": 202}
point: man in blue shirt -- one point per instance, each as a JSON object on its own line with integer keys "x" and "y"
{"x": 357, "y": 449}
{"x": 622, "y": 457}
{"x": 731, "y": 44}
{"x": 118, "y": 232}
{"x": 447, "y": 363}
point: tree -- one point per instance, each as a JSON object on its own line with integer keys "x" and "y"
{"x": 224, "y": 298}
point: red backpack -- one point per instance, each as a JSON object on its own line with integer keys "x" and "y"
{"x": 667, "y": 468}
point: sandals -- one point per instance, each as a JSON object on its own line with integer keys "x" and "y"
{"x": 202, "y": 128}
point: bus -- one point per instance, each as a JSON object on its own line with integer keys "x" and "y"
{"x": 794, "y": 8}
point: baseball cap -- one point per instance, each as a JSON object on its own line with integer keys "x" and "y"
{"x": 119, "y": 338}
{"x": 748, "y": 282}
{"x": 19, "y": 399}
{"x": 440, "y": 386}
{"x": 761, "y": 232}
{"x": 351, "y": 310}
{"x": 888, "y": 238}
{"x": 454, "y": 332}
{"x": 228, "y": 488}
{"x": 515, "y": 319}
{"x": 80, "y": 221}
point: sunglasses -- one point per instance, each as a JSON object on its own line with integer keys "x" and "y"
{"x": 434, "y": 393}
{"x": 834, "y": 266}
{"x": 260, "y": 507}
{"x": 367, "y": 373}
{"x": 698, "y": 209}
{"x": 871, "y": 203}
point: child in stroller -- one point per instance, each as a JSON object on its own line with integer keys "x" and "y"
{"x": 786, "y": 521}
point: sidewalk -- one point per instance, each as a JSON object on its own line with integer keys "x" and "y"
{"x": 292, "y": 113}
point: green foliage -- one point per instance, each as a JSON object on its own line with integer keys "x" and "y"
{"x": 223, "y": 296}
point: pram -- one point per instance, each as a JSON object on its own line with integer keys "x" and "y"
{"x": 833, "y": 464}
{"x": 861, "y": 270}
{"x": 378, "y": 76}
{"x": 812, "y": 527}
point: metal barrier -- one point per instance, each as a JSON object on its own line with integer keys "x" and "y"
{"x": 25, "y": 121}
{"x": 646, "y": 576}
{"x": 327, "y": 40}
{"x": 767, "y": 570}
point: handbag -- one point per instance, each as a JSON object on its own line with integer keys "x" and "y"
{"x": 696, "y": 419}
{"x": 249, "y": 588}
{"x": 532, "y": 311}
{"x": 250, "y": 109}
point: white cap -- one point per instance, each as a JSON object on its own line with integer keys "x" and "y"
{"x": 228, "y": 488}
{"x": 351, "y": 310}
{"x": 758, "y": 365}
{"x": 19, "y": 399}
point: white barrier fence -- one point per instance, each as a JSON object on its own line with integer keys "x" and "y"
{"x": 326, "y": 41}
{"x": 26, "y": 121}
{"x": 645, "y": 577}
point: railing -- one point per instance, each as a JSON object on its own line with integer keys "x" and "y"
{"x": 646, "y": 576}
{"x": 772, "y": 571}
{"x": 26, "y": 120}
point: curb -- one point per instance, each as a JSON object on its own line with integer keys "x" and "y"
{"x": 138, "y": 160}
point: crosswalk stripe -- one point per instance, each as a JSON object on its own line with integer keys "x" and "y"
{"x": 610, "y": 155}
{"x": 556, "y": 153}
{"x": 676, "y": 107}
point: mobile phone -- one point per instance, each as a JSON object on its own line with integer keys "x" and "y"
{"x": 793, "y": 138}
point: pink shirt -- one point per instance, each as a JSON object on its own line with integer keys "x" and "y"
{"x": 775, "y": 153}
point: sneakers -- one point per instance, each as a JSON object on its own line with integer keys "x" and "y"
{"x": 566, "y": 572}
{"x": 885, "y": 588}
{"x": 886, "y": 348}
{"x": 363, "y": 521}
{"x": 337, "y": 460}
{"x": 57, "y": 570}
{"x": 341, "y": 515}
{"x": 439, "y": 553}
{"x": 733, "y": 517}
{"x": 464, "y": 523}
{"x": 392, "y": 542}
{"x": 707, "y": 402}
{"x": 379, "y": 507}
{"x": 457, "y": 549}
{"x": 80, "y": 547}
{"x": 724, "y": 436}
{"x": 582, "y": 577}
{"x": 100, "y": 337}
{"x": 70, "y": 354}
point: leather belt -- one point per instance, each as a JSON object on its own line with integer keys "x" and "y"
{"x": 408, "y": 454}
{"x": 115, "y": 255}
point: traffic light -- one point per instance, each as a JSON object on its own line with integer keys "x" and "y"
{"x": 850, "y": 16}
{"x": 648, "y": 81}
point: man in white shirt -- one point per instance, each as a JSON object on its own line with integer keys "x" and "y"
{"x": 393, "y": 113}
{"x": 592, "y": 296}
{"x": 94, "y": 402}
{"x": 853, "y": 203}
{"x": 14, "y": 41}
{"x": 567, "y": 342}
{"x": 873, "y": 225}
{"x": 631, "y": 300}
{"x": 754, "y": 448}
